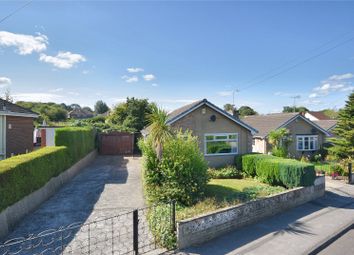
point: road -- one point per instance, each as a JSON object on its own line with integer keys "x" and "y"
{"x": 342, "y": 246}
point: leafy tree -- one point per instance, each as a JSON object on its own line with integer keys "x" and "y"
{"x": 295, "y": 109}
{"x": 331, "y": 113}
{"x": 343, "y": 144}
{"x": 159, "y": 130}
{"x": 229, "y": 107}
{"x": 246, "y": 111}
{"x": 87, "y": 109}
{"x": 101, "y": 107}
{"x": 280, "y": 140}
{"x": 131, "y": 115}
{"x": 75, "y": 106}
{"x": 47, "y": 111}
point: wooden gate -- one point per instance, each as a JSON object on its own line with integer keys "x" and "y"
{"x": 116, "y": 143}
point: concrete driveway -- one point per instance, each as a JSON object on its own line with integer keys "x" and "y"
{"x": 111, "y": 185}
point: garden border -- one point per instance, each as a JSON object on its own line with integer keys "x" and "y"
{"x": 208, "y": 226}
{"x": 14, "y": 213}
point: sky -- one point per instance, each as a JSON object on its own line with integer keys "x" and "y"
{"x": 264, "y": 53}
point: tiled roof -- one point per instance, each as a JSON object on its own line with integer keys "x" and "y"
{"x": 266, "y": 123}
{"x": 174, "y": 115}
{"x": 181, "y": 110}
{"x": 326, "y": 124}
{"x": 8, "y": 108}
{"x": 319, "y": 115}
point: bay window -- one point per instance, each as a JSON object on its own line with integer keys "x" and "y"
{"x": 221, "y": 144}
{"x": 307, "y": 142}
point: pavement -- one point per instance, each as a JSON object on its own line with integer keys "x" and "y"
{"x": 97, "y": 206}
{"x": 297, "y": 231}
{"x": 343, "y": 245}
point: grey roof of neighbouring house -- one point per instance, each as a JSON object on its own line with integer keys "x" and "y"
{"x": 266, "y": 123}
{"x": 8, "y": 108}
{"x": 319, "y": 115}
{"x": 186, "y": 109}
{"x": 326, "y": 124}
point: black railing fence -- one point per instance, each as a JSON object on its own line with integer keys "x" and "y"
{"x": 126, "y": 233}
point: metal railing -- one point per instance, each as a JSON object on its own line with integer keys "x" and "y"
{"x": 126, "y": 233}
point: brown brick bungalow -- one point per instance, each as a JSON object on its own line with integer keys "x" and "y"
{"x": 221, "y": 135}
{"x": 16, "y": 129}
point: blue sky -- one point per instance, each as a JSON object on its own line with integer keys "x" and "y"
{"x": 174, "y": 52}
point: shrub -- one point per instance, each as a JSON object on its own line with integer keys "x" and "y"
{"x": 159, "y": 219}
{"x": 23, "y": 174}
{"x": 180, "y": 175}
{"x": 279, "y": 171}
{"x": 228, "y": 172}
{"x": 280, "y": 152}
{"x": 79, "y": 141}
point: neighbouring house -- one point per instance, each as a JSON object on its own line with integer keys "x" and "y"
{"x": 307, "y": 136}
{"x": 221, "y": 135}
{"x": 47, "y": 135}
{"x": 315, "y": 116}
{"x": 16, "y": 129}
{"x": 79, "y": 113}
{"x": 328, "y": 125}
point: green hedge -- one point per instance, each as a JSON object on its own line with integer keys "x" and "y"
{"x": 79, "y": 141}
{"x": 279, "y": 171}
{"x": 23, "y": 174}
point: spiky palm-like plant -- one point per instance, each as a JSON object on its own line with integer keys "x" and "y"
{"x": 160, "y": 131}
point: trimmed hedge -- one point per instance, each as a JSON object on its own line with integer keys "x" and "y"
{"x": 279, "y": 171}
{"x": 79, "y": 141}
{"x": 23, "y": 174}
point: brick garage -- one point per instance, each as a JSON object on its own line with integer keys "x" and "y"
{"x": 16, "y": 129}
{"x": 19, "y": 135}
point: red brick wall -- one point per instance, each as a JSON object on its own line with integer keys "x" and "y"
{"x": 19, "y": 137}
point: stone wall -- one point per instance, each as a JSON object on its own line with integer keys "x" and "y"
{"x": 14, "y": 213}
{"x": 203, "y": 228}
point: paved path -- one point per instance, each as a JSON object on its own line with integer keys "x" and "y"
{"x": 297, "y": 231}
{"x": 110, "y": 186}
{"x": 344, "y": 245}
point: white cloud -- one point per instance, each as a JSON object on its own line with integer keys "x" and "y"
{"x": 225, "y": 93}
{"x": 4, "y": 81}
{"x": 36, "y": 97}
{"x": 73, "y": 93}
{"x": 56, "y": 90}
{"x": 333, "y": 84}
{"x": 130, "y": 79}
{"x": 24, "y": 44}
{"x": 135, "y": 69}
{"x": 63, "y": 60}
{"x": 149, "y": 77}
{"x": 339, "y": 77}
{"x": 154, "y": 85}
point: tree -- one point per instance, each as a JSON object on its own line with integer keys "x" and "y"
{"x": 331, "y": 113}
{"x": 246, "y": 111}
{"x": 229, "y": 107}
{"x": 87, "y": 109}
{"x": 159, "y": 130}
{"x": 7, "y": 96}
{"x": 295, "y": 109}
{"x": 101, "y": 107}
{"x": 280, "y": 140}
{"x": 343, "y": 144}
{"x": 131, "y": 115}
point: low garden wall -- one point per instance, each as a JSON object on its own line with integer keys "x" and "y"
{"x": 14, "y": 213}
{"x": 203, "y": 228}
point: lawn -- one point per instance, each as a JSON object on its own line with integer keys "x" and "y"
{"x": 227, "y": 192}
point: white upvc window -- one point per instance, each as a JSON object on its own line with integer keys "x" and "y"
{"x": 221, "y": 144}
{"x": 307, "y": 142}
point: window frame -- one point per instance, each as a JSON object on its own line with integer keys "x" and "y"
{"x": 314, "y": 138}
{"x": 221, "y": 140}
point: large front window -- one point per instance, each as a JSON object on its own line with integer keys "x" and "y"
{"x": 307, "y": 142}
{"x": 221, "y": 144}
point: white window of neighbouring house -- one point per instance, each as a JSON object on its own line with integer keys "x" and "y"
{"x": 307, "y": 142}
{"x": 221, "y": 144}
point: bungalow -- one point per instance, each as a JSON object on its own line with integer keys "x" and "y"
{"x": 315, "y": 116}
{"x": 16, "y": 129}
{"x": 221, "y": 135}
{"x": 328, "y": 125}
{"x": 307, "y": 136}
